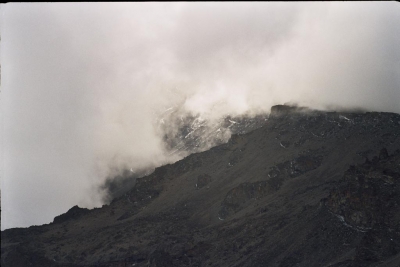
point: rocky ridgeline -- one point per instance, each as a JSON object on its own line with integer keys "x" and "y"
{"x": 309, "y": 188}
{"x": 341, "y": 125}
{"x": 188, "y": 134}
{"x": 184, "y": 133}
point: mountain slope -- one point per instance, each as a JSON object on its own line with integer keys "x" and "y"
{"x": 309, "y": 188}
{"x": 185, "y": 134}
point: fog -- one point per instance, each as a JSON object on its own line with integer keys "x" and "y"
{"x": 84, "y": 85}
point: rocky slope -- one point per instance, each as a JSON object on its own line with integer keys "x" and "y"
{"x": 184, "y": 134}
{"x": 309, "y": 188}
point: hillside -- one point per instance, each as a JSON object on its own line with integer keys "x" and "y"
{"x": 308, "y": 188}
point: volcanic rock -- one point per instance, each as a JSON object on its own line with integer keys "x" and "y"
{"x": 308, "y": 188}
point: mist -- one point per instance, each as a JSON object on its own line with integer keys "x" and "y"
{"x": 85, "y": 85}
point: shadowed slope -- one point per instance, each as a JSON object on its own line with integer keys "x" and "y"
{"x": 309, "y": 188}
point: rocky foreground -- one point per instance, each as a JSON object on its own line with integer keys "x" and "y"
{"x": 308, "y": 188}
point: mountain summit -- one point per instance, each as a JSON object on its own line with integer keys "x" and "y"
{"x": 307, "y": 188}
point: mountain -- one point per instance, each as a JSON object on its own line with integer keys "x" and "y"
{"x": 184, "y": 134}
{"x": 308, "y": 188}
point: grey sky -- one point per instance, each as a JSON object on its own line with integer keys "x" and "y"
{"x": 83, "y": 84}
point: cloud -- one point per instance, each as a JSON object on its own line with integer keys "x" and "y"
{"x": 85, "y": 85}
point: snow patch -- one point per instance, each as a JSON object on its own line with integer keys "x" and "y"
{"x": 358, "y": 229}
{"x": 344, "y": 117}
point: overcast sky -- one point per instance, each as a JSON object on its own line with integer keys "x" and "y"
{"x": 83, "y": 84}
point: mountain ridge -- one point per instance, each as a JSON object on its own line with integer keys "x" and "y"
{"x": 309, "y": 188}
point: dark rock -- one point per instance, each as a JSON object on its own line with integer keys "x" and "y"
{"x": 240, "y": 195}
{"x": 203, "y": 180}
{"x": 281, "y": 110}
{"x": 368, "y": 200}
{"x": 383, "y": 154}
{"x": 297, "y": 166}
{"x": 73, "y": 213}
{"x": 160, "y": 258}
{"x": 365, "y": 196}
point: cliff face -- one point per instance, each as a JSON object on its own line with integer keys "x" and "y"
{"x": 308, "y": 188}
